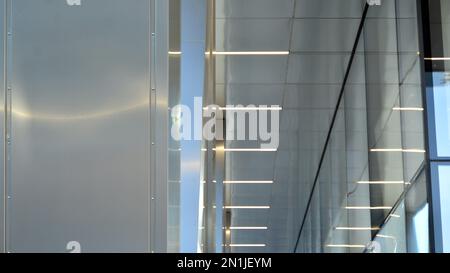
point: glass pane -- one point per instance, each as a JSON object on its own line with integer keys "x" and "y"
{"x": 392, "y": 238}
{"x": 441, "y": 99}
{"x": 406, "y": 227}
{"x": 439, "y": 76}
{"x": 444, "y": 195}
{"x": 420, "y": 235}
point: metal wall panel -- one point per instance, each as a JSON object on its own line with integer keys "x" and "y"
{"x": 80, "y": 150}
{"x": 2, "y": 118}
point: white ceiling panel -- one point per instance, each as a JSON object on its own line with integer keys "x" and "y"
{"x": 324, "y": 34}
{"x": 251, "y": 69}
{"x": 254, "y": 8}
{"x": 317, "y": 68}
{"x": 256, "y": 94}
{"x": 329, "y": 8}
{"x": 246, "y": 34}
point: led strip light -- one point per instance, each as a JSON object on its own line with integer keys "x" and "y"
{"x": 346, "y": 246}
{"x": 245, "y": 150}
{"x": 247, "y": 245}
{"x": 357, "y": 228}
{"x": 382, "y": 182}
{"x": 367, "y": 208}
{"x": 246, "y": 207}
{"x": 246, "y": 228}
{"x": 248, "y": 53}
{"x": 248, "y": 182}
{"x": 408, "y": 109}
{"x": 244, "y": 108}
{"x": 399, "y": 150}
{"x": 437, "y": 59}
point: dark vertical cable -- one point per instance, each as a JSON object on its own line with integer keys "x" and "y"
{"x": 333, "y": 121}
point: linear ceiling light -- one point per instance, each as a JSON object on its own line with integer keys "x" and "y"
{"x": 346, "y": 246}
{"x": 438, "y": 59}
{"x": 367, "y": 207}
{"x": 204, "y": 181}
{"x": 398, "y": 150}
{"x": 247, "y": 245}
{"x": 246, "y": 207}
{"x": 249, "y": 53}
{"x": 244, "y": 150}
{"x": 408, "y": 109}
{"x": 382, "y": 182}
{"x": 386, "y": 236}
{"x": 357, "y": 228}
{"x": 248, "y": 182}
{"x": 174, "y": 52}
{"x": 247, "y": 228}
{"x": 271, "y": 108}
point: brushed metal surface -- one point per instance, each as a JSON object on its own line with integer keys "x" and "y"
{"x": 2, "y": 120}
{"x": 80, "y": 126}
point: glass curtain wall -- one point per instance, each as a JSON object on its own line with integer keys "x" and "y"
{"x": 347, "y": 175}
{"x": 376, "y": 149}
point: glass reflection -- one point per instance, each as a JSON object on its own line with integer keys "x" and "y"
{"x": 441, "y": 99}
{"x": 335, "y": 179}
